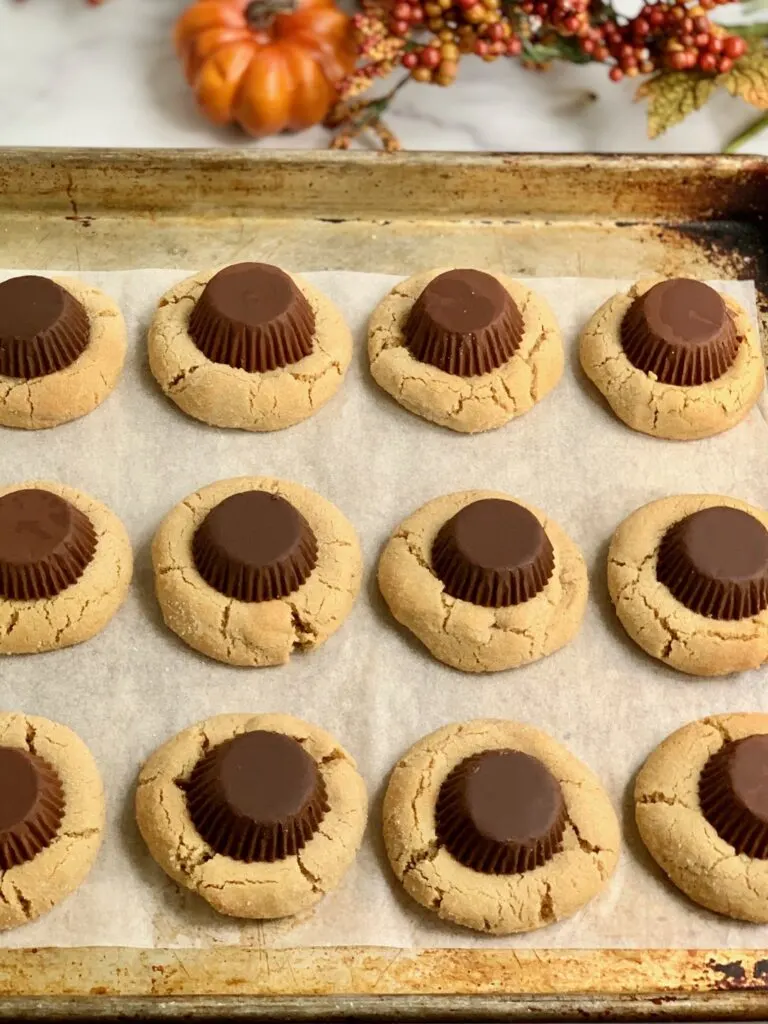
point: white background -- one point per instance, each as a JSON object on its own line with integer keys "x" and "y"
{"x": 74, "y": 75}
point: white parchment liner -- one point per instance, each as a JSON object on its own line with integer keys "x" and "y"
{"x": 372, "y": 684}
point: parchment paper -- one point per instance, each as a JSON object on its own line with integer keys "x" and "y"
{"x": 372, "y": 684}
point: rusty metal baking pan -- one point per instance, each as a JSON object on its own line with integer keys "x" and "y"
{"x": 529, "y": 215}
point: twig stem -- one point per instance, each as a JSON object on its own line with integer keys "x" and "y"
{"x": 749, "y": 132}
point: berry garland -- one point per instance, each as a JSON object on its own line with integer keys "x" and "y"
{"x": 687, "y": 54}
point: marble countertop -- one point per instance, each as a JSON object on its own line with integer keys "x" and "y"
{"x": 73, "y": 75}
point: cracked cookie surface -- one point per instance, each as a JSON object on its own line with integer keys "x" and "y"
{"x": 465, "y": 635}
{"x": 256, "y": 633}
{"x": 30, "y": 889}
{"x": 667, "y": 410}
{"x": 679, "y": 837}
{"x": 225, "y": 396}
{"x": 655, "y": 619}
{"x": 497, "y": 904}
{"x": 79, "y": 388}
{"x": 237, "y": 888}
{"x": 466, "y": 404}
{"x": 84, "y": 608}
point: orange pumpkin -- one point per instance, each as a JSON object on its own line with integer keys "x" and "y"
{"x": 268, "y": 65}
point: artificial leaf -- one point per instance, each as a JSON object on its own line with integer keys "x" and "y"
{"x": 555, "y": 48}
{"x": 748, "y": 78}
{"x": 672, "y": 96}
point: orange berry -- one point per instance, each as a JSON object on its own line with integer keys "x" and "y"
{"x": 447, "y": 72}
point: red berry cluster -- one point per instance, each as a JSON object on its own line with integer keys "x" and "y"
{"x": 664, "y": 35}
{"x": 568, "y": 17}
{"x": 458, "y": 27}
{"x": 429, "y": 37}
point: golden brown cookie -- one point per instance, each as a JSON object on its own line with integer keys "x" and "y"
{"x": 65, "y": 567}
{"x": 51, "y": 815}
{"x": 484, "y": 580}
{"x": 251, "y": 596}
{"x": 62, "y": 349}
{"x": 701, "y": 804}
{"x": 674, "y": 358}
{"x": 688, "y": 576}
{"x": 248, "y": 346}
{"x": 498, "y": 865}
{"x": 262, "y": 815}
{"x": 465, "y": 349}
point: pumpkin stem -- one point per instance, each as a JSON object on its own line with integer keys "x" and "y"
{"x": 261, "y": 13}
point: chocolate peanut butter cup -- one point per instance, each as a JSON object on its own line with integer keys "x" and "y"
{"x": 733, "y": 795}
{"x": 493, "y": 553}
{"x": 43, "y": 328}
{"x": 252, "y": 316}
{"x": 257, "y": 797}
{"x": 31, "y": 806}
{"x": 681, "y": 332}
{"x": 46, "y": 544}
{"x": 500, "y": 812}
{"x": 255, "y": 546}
{"x": 715, "y": 562}
{"x": 464, "y": 322}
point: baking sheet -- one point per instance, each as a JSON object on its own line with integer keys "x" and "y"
{"x": 372, "y": 684}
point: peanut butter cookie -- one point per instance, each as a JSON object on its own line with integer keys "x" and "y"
{"x": 51, "y": 815}
{"x": 674, "y": 358}
{"x": 485, "y": 581}
{"x": 251, "y": 569}
{"x": 495, "y": 826}
{"x": 701, "y": 804}
{"x": 465, "y": 349}
{"x": 262, "y": 815}
{"x": 65, "y": 567}
{"x": 62, "y": 349}
{"x": 248, "y": 346}
{"x": 688, "y": 576}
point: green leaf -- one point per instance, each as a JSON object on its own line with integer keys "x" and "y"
{"x": 556, "y": 48}
{"x": 672, "y": 96}
{"x": 748, "y": 78}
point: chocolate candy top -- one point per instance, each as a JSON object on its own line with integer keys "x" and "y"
{"x": 257, "y": 797}
{"x": 255, "y": 546}
{"x": 464, "y": 322}
{"x": 715, "y": 562}
{"x": 681, "y": 332}
{"x": 42, "y": 327}
{"x": 501, "y": 812}
{"x": 45, "y": 544}
{"x": 733, "y": 795}
{"x": 31, "y": 806}
{"x": 493, "y": 553}
{"x": 253, "y": 317}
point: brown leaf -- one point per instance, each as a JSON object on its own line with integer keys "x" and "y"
{"x": 748, "y": 78}
{"x": 672, "y": 96}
